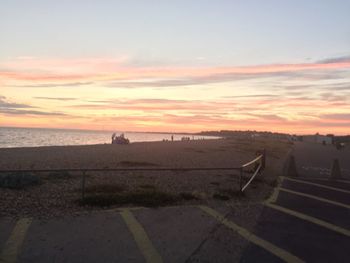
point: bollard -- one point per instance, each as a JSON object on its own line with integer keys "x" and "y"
{"x": 336, "y": 173}
{"x": 292, "y": 168}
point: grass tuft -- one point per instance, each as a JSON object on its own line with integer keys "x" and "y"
{"x": 147, "y": 198}
{"x": 59, "y": 176}
{"x": 221, "y": 196}
{"x": 227, "y": 194}
{"x": 188, "y": 196}
{"x": 18, "y": 180}
{"x": 134, "y": 164}
{"x": 104, "y": 188}
{"x": 147, "y": 186}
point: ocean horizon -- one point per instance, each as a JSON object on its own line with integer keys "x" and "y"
{"x": 13, "y": 137}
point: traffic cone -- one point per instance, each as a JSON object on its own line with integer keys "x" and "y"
{"x": 336, "y": 173}
{"x": 292, "y": 168}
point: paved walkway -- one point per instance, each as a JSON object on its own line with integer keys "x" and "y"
{"x": 308, "y": 218}
{"x": 304, "y": 220}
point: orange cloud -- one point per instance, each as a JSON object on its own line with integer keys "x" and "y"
{"x": 308, "y": 102}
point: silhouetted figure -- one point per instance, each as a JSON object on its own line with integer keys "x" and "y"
{"x": 119, "y": 139}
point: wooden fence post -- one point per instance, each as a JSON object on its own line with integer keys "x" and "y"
{"x": 263, "y": 160}
{"x": 240, "y": 179}
{"x": 83, "y": 186}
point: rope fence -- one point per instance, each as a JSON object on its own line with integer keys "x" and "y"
{"x": 258, "y": 161}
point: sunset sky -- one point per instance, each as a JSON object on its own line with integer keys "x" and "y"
{"x": 176, "y": 66}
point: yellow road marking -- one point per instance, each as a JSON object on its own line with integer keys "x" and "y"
{"x": 325, "y": 179}
{"x": 318, "y": 185}
{"x": 316, "y": 198}
{"x": 120, "y": 209}
{"x": 142, "y": 240}
{"x": 13, "y": 245}
{"x": 279, "y": 252}
{"x": 310, "y": 219}
{"x": 342, "y": 181}
{"x": 276, "y": 191}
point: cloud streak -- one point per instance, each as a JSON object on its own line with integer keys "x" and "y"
{"x": 337, "y": 117}
{"x": 10, "y": 105}
{"x": 11, "y": 108}
{"x": 280, "y": 96}
{"x": 123, "y": 76}
{"x": 30, "y": 112}
{"x": 53, "y": 85}
{"x": 55, "y": 98}
{"x": 340, "y": 59}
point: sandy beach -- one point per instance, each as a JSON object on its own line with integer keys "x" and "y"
{"x": 59, "y": 194}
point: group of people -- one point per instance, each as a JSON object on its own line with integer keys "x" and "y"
{"x": 184, "y": 138}
{"x": 119, "y": 139}
{"x": 122, "y": 140}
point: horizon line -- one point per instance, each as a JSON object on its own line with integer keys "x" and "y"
{"x": 155, "y": 132}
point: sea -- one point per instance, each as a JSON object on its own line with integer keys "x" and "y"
{"x": 34, "y": 137}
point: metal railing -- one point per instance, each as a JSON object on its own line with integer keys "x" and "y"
{"x": 260, "y": 160}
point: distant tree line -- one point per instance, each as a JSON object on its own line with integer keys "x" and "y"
{"x": 230, "y": 133}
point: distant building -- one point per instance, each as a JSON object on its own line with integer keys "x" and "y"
{"x": 318, "y": 138}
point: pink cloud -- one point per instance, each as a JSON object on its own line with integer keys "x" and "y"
{"x": 67, "y": 70}
{"x": 280, "y": 111}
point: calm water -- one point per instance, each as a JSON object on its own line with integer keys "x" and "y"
{"x": 27, "y": 137}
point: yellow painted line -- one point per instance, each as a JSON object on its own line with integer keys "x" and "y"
{"x": 319, "y": 185}
{"x": 120, "y": 209}
{"x": 342, "y": 181}
{"x": 310, "y": 219}
{"x": 142, "y": 240}
{"x": 316, "y": 198}
{"x": 276, "y": 191}
{"x": 13, "y": 245}
{"x": 279, "y": 252}
{"x": 325, "y": 179}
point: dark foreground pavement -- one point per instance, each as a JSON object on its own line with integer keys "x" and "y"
{"x": 172, "y": 234}
{"x": 306, "y": 219}
{"x": 309, "y": 215}
{"x": 310, "y": 226}
{"x": 289, "y": 227}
